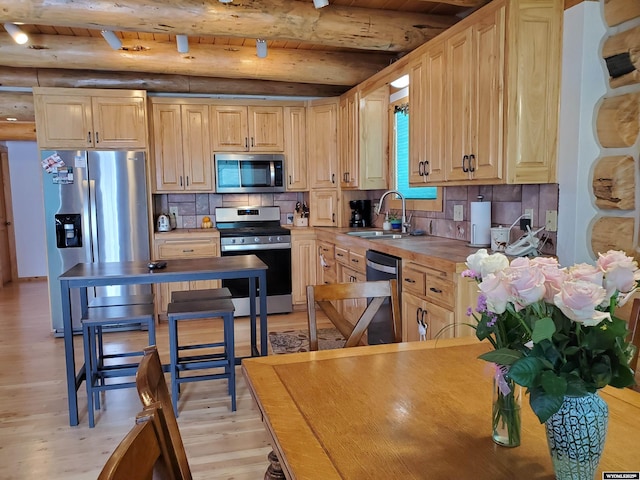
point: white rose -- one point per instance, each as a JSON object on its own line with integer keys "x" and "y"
{"x": 474, "y": 261}
{"x": 493, "y": 263}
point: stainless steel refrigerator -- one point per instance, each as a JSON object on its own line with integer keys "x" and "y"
{"x": 95, "y": 207}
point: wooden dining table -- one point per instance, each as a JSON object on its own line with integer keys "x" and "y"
{"x": 417, "y": 410}
{"x": 98, "y": 274}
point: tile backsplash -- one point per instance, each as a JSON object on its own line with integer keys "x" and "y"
{"x": 508, "y": 202}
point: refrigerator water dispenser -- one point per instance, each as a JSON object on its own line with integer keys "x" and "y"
{"x": 68, "y": 230}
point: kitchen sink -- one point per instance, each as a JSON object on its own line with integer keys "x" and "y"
{"x": 374, "y": 234}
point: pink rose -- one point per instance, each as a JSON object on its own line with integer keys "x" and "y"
{"x": 528, "y": 285}
{"x": 553, "y": 274}
{"x": 620, "y": 271}
{"x": 586, "y": 272}
{"x": 616, "y": 258}
{"x": 578, "y": 300}
{"x": 495, "y": 286}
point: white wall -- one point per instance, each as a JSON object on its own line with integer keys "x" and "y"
{"x": 584, "y": 82}
{"x": 28, "y": 208}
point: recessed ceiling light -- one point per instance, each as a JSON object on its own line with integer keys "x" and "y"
{"x": 16, "y": 33}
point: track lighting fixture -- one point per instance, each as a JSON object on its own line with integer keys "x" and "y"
{"x": 16, "y": 33}
{"x": 183, "y": 43}
{"x": 261, "y": 48}
{"x": 225, "y": 1}
{"x": 320, "y": 3}
{"x": 112, "y": 39}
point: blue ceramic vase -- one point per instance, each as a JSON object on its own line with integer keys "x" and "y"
{"x": 576, "y": 435}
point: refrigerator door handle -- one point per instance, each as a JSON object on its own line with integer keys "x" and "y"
{"x": 95, "y": 254}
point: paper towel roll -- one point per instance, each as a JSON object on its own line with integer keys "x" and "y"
{"x": 480, "y": 224}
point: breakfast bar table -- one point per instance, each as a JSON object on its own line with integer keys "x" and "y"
{"x": 86, "y": 275}
{"x": 409, "y": 411}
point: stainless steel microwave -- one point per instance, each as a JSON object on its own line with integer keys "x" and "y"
{"x": 249, "y": 173}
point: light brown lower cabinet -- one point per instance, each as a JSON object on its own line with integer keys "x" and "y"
{"x": 303, "y": 264}
{"x": 174, "y": 246}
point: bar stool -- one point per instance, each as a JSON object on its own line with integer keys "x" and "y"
{"x": 96, "y": 368}
{"x": 177, "y": 311}
{"x": 203, "y": 294}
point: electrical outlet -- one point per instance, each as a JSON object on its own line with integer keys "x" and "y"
{"x": 529, "y": 213}
{"x": 551, "y": 222}
{"x": 173, "y": 211}
{"x": 458, "y": 213}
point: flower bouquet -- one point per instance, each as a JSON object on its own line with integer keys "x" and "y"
{"x": 553, "y": 329}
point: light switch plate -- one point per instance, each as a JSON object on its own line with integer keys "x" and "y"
{"x": 551, "y": 222}
{"x": 457, "y": 213}
{"x": 529, "y": 213}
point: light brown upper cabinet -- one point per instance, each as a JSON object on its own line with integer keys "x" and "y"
{"x": 181, "y": 147}
{"x": 90, "y": 118}
{"x": 238, "y": 128}
{"x": 475, "y": 97}
{"x": 484, "y": 97}
{"x": 426, "y": 127}
{"x": 373, "y": 147}
{"x": 295, "y": 148}
{"x": 348, "y": 139}
{"x": 322, "y": 130}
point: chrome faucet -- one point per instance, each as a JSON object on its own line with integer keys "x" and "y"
{"x": 404, "y": 209}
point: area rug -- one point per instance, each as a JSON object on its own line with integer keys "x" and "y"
{"x": 292, "y": 341}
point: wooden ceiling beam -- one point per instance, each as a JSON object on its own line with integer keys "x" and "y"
{"x": 17, "y": 131}
{"x": 296, "y": 66}
{"x": 334, "y": 26}
{"x": 52, "y": 77}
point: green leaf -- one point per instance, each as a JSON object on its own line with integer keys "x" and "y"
{"x": 526, "y": 370}
{"x": 601, "y": 371}
{"x": 552, "y": 383}
{"x": 624, "y": 378}
{"x": 543, "y": 404}
{"x": 501, "y": 356}
{"x": 543, "y": 329}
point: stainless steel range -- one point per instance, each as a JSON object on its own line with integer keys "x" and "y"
{"x": 257, "y": 231}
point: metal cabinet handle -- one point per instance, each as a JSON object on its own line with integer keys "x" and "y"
{"x": 188, "y": 250}
{"x": 471, "y": 162}
{"x": 418, "y": 315}
{"x": 333, "y": 178}
{"x": 252, "y": 142}
{"x": 426, "y": 170}
{"x": 88, "y": 137}
{"x": 187, "y": 180}
{"x": 435, "y": 290}
{"x": 180, "y": 180}
{"x": 465, "y": 159}
{"x": 290, "y": 180}
{"x": 355, "y": 260}
{"x": 421, "y": 169}
{"x": 339, "y": 255}
{"x": 409, "y": 280}
{"x": 97, "y": 137}
{"x": 424, "y": 312}
{"x": 246, "y": 143}
{"x": 333, "y": 217}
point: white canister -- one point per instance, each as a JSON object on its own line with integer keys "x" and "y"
{"x": 499, "y": 238}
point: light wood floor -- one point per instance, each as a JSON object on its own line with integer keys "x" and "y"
{"x": 36, "y": 440}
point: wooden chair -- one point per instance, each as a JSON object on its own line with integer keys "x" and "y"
{"x": 377, "y": 292}
{"x": 145, "y": 452}
{"x": 152, "y": 389}
{"x": 634, "y": 336}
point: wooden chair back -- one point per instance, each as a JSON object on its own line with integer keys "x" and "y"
{"x": 376, "y": 291}
{"x": 145, "y": 452}
{"x": 152, "y": 389}
{"x": 634, "y": 336}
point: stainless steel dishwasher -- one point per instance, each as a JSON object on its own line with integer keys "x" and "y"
{"x": 382, "y": 266}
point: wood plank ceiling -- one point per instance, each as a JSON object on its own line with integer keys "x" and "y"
{"x": 311, "y": 52}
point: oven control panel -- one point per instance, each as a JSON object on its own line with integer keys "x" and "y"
{"x": 262, "y": 242}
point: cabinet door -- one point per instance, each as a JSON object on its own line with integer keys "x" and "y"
{"x": 119, "y": 122}
{"x": 434, "y": 112}
{"x": 459, "y": 54}
{"x": 351, "y": 309}
{"x": 230, "y": 128}
{"x": 167, "y": 147}
{"x": 488, "y": 97}
{"x": 439, "y": 321}
{"x": 322, "y": 143}
{"x": 63, "y": 121}
{"x": 266, "y": 129}
{"x": 348, "y": 138}
{"x": 303, "y": 268}
{"x": 196, "y": 148}
{"x": 326, "y": 264}
{"x": 295, "y": 148}
{"x": 417, "y": 128}
{"x": 323, "y": 208}
{"x": 373, "y": 147}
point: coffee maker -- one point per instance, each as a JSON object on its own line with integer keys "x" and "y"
{"x": 360, "y": 213}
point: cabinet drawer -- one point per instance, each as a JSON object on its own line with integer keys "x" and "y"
{"x": 439, "y": 291}
{"x": 413, "y": 279}
{"x": 357, "y": 261}
{"x": 326, "y": 250}
{"x": 342, "y": 256}
{"x": 187, "y": 249}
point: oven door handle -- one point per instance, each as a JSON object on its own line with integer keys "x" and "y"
{"x": 250, "y": 248}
